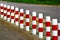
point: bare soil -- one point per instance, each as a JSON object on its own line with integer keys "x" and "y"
{"x": 9, "y": 31}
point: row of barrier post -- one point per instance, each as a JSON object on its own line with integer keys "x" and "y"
{"x": 20, "y": 18}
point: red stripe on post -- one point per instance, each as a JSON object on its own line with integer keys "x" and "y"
{"x": 40, "y": 20}
{"x": 54, "y": 27}
{"x": 40, "y": 29}
{"x": 8, "y": 10}
{"x": 2, "y": 13}
{"x": 12, "y": 17}
{"x": 58, "y": 32}
{"x": 34, "y": 18}
{"x": 27, "y": 23}
{"x": 33, "y": 26}
{"x": 47, "y": 24}
{"x": 48, "y": 34}
{"x": 12, "y": 10}
{"x": 21, "y": 21}
{"x": 54, "y": 38}
{"x": 21, "y": 14}
{"x": 5, "y": 8}
{"x": 16, "y": 12}
{"x": 5, "y": 14}
{"x": 1, "y": 7}
{"x": 16, "y": 19}
{"x": 27, "y": 16}
{"x": 8, "y": 16}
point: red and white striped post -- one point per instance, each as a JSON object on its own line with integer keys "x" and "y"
{"x": 54, "y": 29}
{"x": 1, "y": 10}
{"x": 21, "y": 18}
{"x": 34, "y": 23}
{"x": 5, "y": 12}
{"x": 40, "y": 25}
{"x": 27, "y": 20}
{"x": 16, "y": 16}
{"x": 48, "y": 24}
{"x": 12, "y": 14}
{"x": 58, "y": 31}
{"x": 8, "y": 13}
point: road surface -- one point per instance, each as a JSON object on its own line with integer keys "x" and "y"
{"x": 47, "y": 10}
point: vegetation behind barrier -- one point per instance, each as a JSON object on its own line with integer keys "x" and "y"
{"x": 50, "y": 2}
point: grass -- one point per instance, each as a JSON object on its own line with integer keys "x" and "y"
{"x": 52, "y": 2}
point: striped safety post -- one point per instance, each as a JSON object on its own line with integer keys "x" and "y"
{"x": 58, "y": 31}
{"x": 12, "y": 14}
{"x": 27, "y": 20}
{"x": 54, "y": 29}
{"x": 40, "y": 25}
{"x": 34, "y": 23}
{"x": 21, "y": 18}
{"x": 1, "y": 10}
{"x": 5, "y": 12}
{"x": 16, "y": 16}
{"x": 8, "y": 13}
{"x": 48, "y": 24}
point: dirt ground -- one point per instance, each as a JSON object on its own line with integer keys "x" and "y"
{"x": 11, "y": 32}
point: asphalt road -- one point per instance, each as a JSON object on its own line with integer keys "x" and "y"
{"x": 47, "y": 10}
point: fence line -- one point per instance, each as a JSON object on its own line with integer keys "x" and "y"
{"x": 16, "y": 16}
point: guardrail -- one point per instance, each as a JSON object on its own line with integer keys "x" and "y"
{"x": 50, "y": 29}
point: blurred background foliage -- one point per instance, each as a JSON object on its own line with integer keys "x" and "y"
{"x": 53, "y": 2}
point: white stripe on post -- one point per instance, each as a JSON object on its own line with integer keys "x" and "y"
{"x": 8, "y": 13}
{"x": 40, "y": 25}
{"x": 5, "y": 12}
{"x": 34, "y": 23}
{"x": 48, "y": 20}
{"x": 12, "y": 14}
{"x": 27, "y": 20}
{"x": 54, "y": 29}
{"x": 58, "y": 31}
{"x": 16, "y": 16}
{"x": 1, "y": 10}
{"x": 21, "y": 18}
